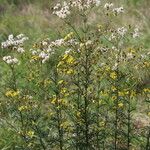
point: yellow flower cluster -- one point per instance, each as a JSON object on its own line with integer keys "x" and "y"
{"x": 47, "y": 82}
{"x": 12, "y": 93}
{"x": 60, "y": 82}
{"x": 30, "y": 134}
{"x": 113, "y": 88}
{"x": 120, "y": 105}
{"x": 114, "y": 97}
{"x": 65, "y": 64}
{"x": 131, "y": 50}
{"x": 102, "y": 123}
{"x": 123, "y": 93}
{"x": 132, "y": 94}
{"x": 23, "y": 108}
{"x": 68, "y": 36}
{"x": 61, "y": 101}
{"x": 146, "y": 90}
{"x": 35, "y": 57}
{"x": 68, "y": 59}
{"x": 146, "y": 64}
{"x": 113, "y": 75}
{"x": 65, "y": 125}
{"x": 104, "y": 93}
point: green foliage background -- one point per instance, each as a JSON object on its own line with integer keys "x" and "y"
{"x": 34, "y": 19}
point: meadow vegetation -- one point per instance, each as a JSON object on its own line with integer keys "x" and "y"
{"x": 74, "y": 75}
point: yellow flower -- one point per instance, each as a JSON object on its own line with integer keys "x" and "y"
{"x": 113, "y": 88}
{"x": 107, "y": 68}
{"x": 50, "y": 114}
{"x": 30, "y": 133}
{"x": 113, "y": 75}
{"x": 35, "y": 57}
{"x": 68, "y": 58}
{"x": 53, "y": 101}
{"x": 133, "y": 94}
{"x": 68, "y": 36}
{"x": 81, "y": 45}
{"x": 120, "y": 105}
{"x": 78, "y": 114}
{"x": 12, "y": 93}
{"x": 60, "y": 63}
{"x": 104, "y": 94}
{"x": 146, "y": 90}
{"x": 60, "y": 82}
{"x": 21, "y": 108}
{"x": 126, "y": 92}
{"x": 70, "y": 71}
{"x": 102, "y": 123}
{"x": 121, "y": 94}
{"x": 99, "y": 27}
{"x": 146, "y": 64}
{"x": 62, "y": 101}
{"x": 65, "y": 125}
{"x": 63, "y": 90}
{"x": 114, "y": 97}
{"x": 131, "y": 50}
{"x": 47, "y": 82}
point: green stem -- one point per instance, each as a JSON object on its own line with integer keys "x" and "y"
{"x": 58, "y": 112}
{"x": 148, "y": 140}
{"x": 129, "y": 123}
{"x": 40, "y": 138}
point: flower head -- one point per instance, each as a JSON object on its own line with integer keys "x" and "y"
{"x": 10, "y": 60}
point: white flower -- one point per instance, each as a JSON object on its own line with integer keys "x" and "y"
{"x": 89, "y": 42}
{"x": 58, "y": 5}
{"x": 34, "y": 52}
{"x": 29, "y": 97}
{"x": 122, "y": 31}
{"x": 10, "y": 37}
{"x": 20, "y": 36}
{"x": 98, "y": 2}
{"x": 44, "y": 56}
{"x": 44, "y": 43}
{"x": 115, "y": 66}
{"x": 112, "y": 37}
{"x": 58, "y": 42}
{"x": 15, "y": 60}
{"x": 89, "y": 3}
{"x": 67, "y": 51}
{"x": 118, "y": 10}
{"x": 10, "y": 60}
{"x": 129, "y": 55}
{"x": 136, "y": 33}
{"x": 20, "y": 50}
{"x": 6, "y": 58}
{"x": 49, "y": 50}
{"x": 114, "y": 48}
{"x": 104, "y": 49}
{"x": 14, "y": 41}
{"x": 45, "y": 59}
{"x": 108, "y": 5}
{"x": 62, "y": 11}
